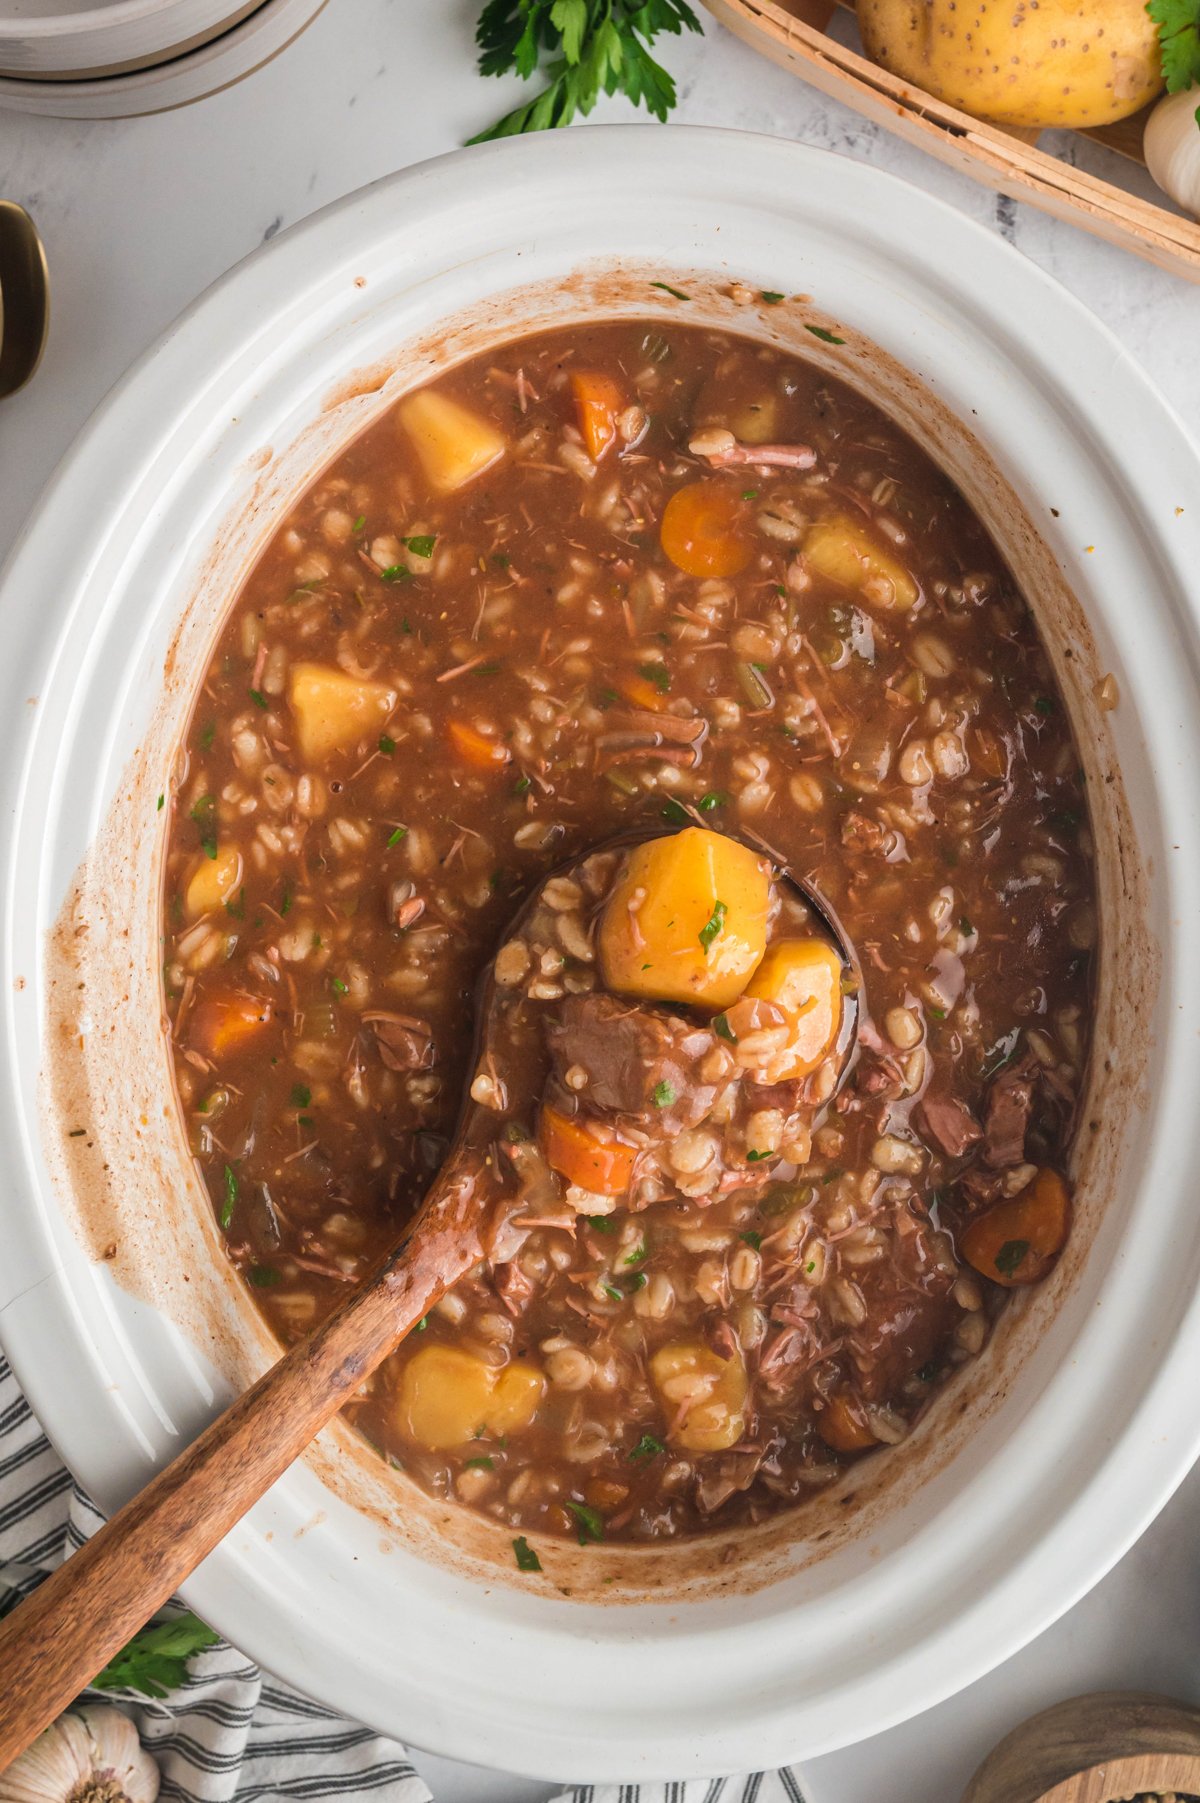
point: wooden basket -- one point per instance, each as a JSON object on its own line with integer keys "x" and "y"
{"x": 794, "y": 33}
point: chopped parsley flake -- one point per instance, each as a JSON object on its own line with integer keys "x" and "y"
{"x": 712, "y": 926}
{"x": 591, "y": 1522}
{"x": 757, "y": 1158}
{"x": 647, "y": 1448}
{"x": 286, "y": 900}
{"x": 752, "y": 1239}
{"x": 204, "y": 814}
{"x": 527, "y": 1559}
{"x": 301, "y": 1095}
{"x": 637, "y": 1255}
{"x": 1011, "y": 1257}
{"x": 772, "y": 296}
{"x": 667, "y": 289}
{"x": 611, "y": 1290}
{"x": 1044, "y": 705}
{"x": 359, "y": 523}
{"x": 658, "y": 674}
{"x": 231, "y": 1196}
{"x": 664, "y": 1095}
{"x": 386, "y": 744}
{"x": 638, "y": 1281}
{"x": 339, "y": 988}
{"x": 422, "y": 545}
{"x": 714, "y": 799}
{"x": 161, "y": 800}
{"x": 723, "y": 1030}
{"x": 263, "y": 1276}
{"x": 522, "y": 786}
{"x": 397, "y": 834}
{"x": 396, "y": 572}
{"x": 259, "y": 699}
{"x": 824, "y": 336}
{"x": 602, "y": 1223}
{"x": 483, "y": 1462}
{"x": 675, "y": 812}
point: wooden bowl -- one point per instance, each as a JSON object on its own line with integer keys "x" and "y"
{"x": 1110, "y": 1746}
{"x": 795, "y": 33}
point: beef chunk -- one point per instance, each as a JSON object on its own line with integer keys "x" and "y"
{"x": 1009, "y": 1106}
{"x": 949, "y": 1123}
{"x": 639, "y": 1061}
{"x": 404, "y": 1041}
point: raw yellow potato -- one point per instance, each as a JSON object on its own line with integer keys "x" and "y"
{"x": 714, "y": 1390}
{"x": 334, "y": 710}
{"x": 843, "y": 549}
{"x": 212, "y": 882}
{"x": 447, "y": 1396}
{"x": 804, "y": 978}
{"x": 1027, "y": 63}
{"x": 453, "y": 443}
{"x": 687, "y": 920}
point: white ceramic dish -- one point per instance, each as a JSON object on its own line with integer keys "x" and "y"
{"x": 187, "y": 69}
{"x": 50, "y": 38}
{"x": 1084, "y": 1419}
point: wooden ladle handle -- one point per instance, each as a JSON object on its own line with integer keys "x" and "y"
{"x": 55, "y": 1642}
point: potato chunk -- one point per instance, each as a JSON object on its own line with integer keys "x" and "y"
{"x": 453, "y": 444}
{"x": 842, "y": 549}
{"x": 687, "y": 920}
{"x": 702, "y": 1394}
{"x": 804, "y": 978}
{"x": 447, "y": 1396}
{"x": 334, "y": 711}
{"x": 212, "y": 882}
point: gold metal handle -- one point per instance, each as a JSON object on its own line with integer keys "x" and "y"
{"x": 24, "y": 298}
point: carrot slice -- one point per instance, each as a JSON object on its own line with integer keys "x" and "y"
{"x": 1016, "y": 1242}
{"x": 598, "y": 400}
{"x": 842, "y": 1424}
{"x": 702, "y": 530}
{"x": 641, "y": 693}
{"x": 222, "y": 1024}
{"x": 476, "y": 749}
{"x": 572, "y": 1148}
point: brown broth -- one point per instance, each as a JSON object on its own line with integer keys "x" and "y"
{"x": 524, "y": 633}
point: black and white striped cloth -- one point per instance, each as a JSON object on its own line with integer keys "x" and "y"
{"x": 230, "y": 1734}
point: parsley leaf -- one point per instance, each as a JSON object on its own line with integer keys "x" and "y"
{"x": 155, "y": 1661}
{"x": 712, "y": 926}
{"x": 231, "y": 1196}
{"x": 647, "y": 1448}
{"x": 1178, "y": 24}
{"x": 658, "y": 674}
{"x": 591, "y": 1522}
{"x": 386, "y": 744}
{"x": 675, "y": 812}
{"x": 723, "y": 1030}
{"x": 301, "y": 1095}
{"x": 1011, "y": 1257}
{"x": 204, "y": 814}
{"x": 593, "y": 47}
{"x": 422, "y": 545}
{"x": 771, "y": 296}
{"x": 824, "y": 336}
{"x": 527, "y": 1559}
{"x": 752, "y": 1239}
{"x": 664, "y": 1095}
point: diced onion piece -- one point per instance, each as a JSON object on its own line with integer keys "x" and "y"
{"x": 687, "y": 920}
{"x": 448, "y": 1397}
{"x": 212, "y": 882}
{"x": 843, "y": 550}
{"x": 576, "y": 1150}
{"x": 1017, "y": 1241}
{"x": 702, "y": 1395}
{"x": 804, "y": 978}
{"x": 454, "y": 444}
{"x": 334, "y": 711}
{"x": 703, "y": 532}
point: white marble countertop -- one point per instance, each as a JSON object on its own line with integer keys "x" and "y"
{"x": 140, "y": 215}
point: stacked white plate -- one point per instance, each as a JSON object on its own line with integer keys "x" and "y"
{"x": 97, "y": 59}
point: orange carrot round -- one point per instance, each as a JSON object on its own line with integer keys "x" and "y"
{"x": 222, "y": 1024}
{"x": 702, "y": 530}
{"x": 575, "y": 1150}
{"x": 1017, "y": 1241}
{"x": 476, "y": 749}
{"x": 598, "y": 400}
{"x": 842, "y": 1424}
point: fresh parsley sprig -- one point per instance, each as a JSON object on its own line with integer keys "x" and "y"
{"x": 593, "y": 47}
{"x": 1178, "y": 24}
{"x": 155, "y": 1661}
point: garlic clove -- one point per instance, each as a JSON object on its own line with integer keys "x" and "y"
{"x": 1171, "y": 147}
{"x": 91, "y": 1755}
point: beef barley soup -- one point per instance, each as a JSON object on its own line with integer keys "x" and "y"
{"x": 638, "y": 576}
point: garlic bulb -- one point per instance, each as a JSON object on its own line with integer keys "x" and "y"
{"x": 90, "y": 1755}
{"x": 1171, "y": 147}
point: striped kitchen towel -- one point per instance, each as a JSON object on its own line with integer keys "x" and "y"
{"x": 230, "y": 1732}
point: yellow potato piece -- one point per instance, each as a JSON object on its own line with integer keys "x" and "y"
{"x": 842, "y": 549}
{"x": 804, "y": 978}
{"x": 333, "y": 710}
{"x": 446, "y": 1397}
{"x": 1029, "y": 63}
{"x": 687, "y": 920}
{"x": 212, "y": 882}
{"x": 714, "y": 1389}
{"x": 453, "y": 443}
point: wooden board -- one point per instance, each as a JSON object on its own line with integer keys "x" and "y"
{"x": 1095, "y": 1749}
{"x": 794, "y": 33}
